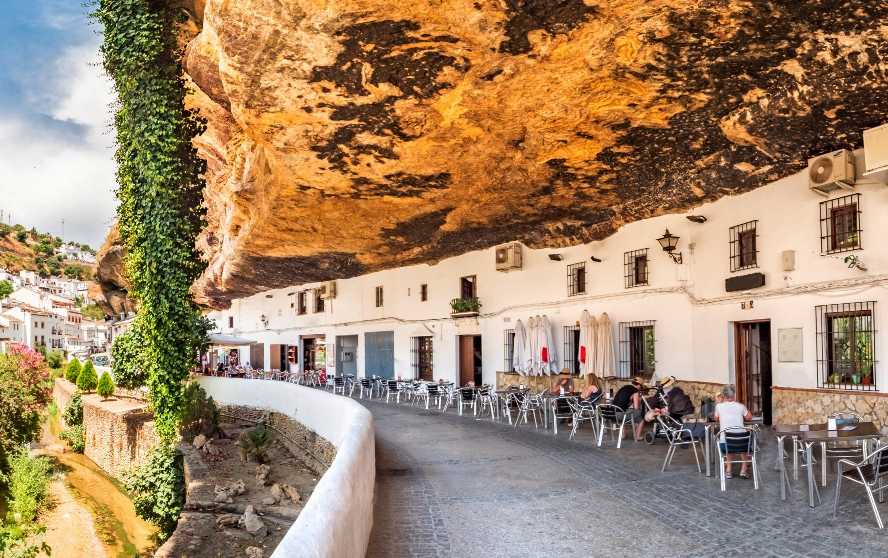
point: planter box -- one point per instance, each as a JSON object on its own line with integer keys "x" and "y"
{"x": 463, "y": 314}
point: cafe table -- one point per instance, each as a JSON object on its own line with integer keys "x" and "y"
{"x": 809, "y": 435}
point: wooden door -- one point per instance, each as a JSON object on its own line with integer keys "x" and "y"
{"x": 466, "y": 359}
{"x": 753, "y": 367}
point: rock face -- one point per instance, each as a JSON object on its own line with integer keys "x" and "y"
{"x": 356, "y": 135}
{"x": 111, "y": 287}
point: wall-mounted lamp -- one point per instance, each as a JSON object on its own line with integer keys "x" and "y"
{"x": 669, "y": 242}
{"x": 556, "y": 257}
{"x": 697, "y": 218}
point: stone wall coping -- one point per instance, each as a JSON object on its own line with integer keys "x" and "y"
{"x": 337, "y": 518}
{"x": 829, "y": 391}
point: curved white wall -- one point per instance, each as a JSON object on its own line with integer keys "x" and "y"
{"x": 337, "y": 519}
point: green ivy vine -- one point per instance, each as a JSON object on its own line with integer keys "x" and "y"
{"x": 160, "y": 183}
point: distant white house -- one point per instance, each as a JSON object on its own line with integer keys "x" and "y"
{"x": 74, "y": 252}
{"x": 12, "y": 330}
{"x": 11, "y": 277}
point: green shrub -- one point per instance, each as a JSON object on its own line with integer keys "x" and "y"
{"x": 126, "y": 359}
{"x": 157, "y": 487}
{"x": 87, "y": 379}
{"x": 73, "y": 415}
{"x": 199, "y": 413}
{"x": 73, "y": 370}
{"x": 105, "y": 388}
{"x": 55, "y": 359}
{"x": 76, "y": 437}
{"x": 254, "y": 443}
{"x": 6, "y": 288}
{"x": 21, "y": 236}
{"x": 24, "y": 395}
{"x": 28, "y": 480}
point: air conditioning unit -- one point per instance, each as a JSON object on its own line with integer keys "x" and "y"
{"x": 508, "y": 257}
{"x": 328, "y": 290}
{"x": 875, "y": 149}
{"x": 830, "y": 172}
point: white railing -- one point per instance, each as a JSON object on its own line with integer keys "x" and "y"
{"x": 336, "y": 520}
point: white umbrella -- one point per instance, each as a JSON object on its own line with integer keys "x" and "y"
{"x": 548, "y": 360}
{"x": 586, "y": 350}
{"x": 533, "y": 342}
{"x": 519, "y": 349}
{"x": 605, "y": 360}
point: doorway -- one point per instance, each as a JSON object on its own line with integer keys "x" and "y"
{"x": 753, "y": 366}
{"x": 314, "y": 353}
{"x": 346, "y": 355}
{"x": 470, "y": 361}
{"x": 379, "y": 354}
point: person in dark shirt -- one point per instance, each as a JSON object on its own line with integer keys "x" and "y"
{"x": 628, "y": 398}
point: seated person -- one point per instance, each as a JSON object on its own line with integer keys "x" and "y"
{"x": 628, "y": 398}
{"x": 566, "y": 383}
{"x": 592, "y": 393}
{"x": 731, "y": 414}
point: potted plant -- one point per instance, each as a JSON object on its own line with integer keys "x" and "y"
{"x": 464, "y": 307}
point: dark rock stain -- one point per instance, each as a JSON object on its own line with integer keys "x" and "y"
{"x": 553, "y": 16}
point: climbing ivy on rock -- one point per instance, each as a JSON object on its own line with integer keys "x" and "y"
{"x": 160, "y": 183}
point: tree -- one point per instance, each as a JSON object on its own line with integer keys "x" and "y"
{"x": 55, "y": 359}
{"x": 93, "y": 312}
{"x": 24, "y": 393}
{"x": 6, "y": 288}
{"x": 105, "y": 389}
{"x": 73, "y": 370}
{"x": 87, "y": 379}
{"x": 21, "y": 236}
{"x": 126, "y": 359}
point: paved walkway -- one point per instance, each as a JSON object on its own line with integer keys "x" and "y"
{"x": 456, "y": 486}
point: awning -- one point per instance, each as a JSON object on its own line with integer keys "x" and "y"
{"x": 221, "y": 340}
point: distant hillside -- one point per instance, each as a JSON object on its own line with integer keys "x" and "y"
{"x": 23, "y": 249}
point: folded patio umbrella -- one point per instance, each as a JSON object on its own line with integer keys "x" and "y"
{"x": 586, "y": 349}
{"x": 548, "y": 360}
{"x": 605, "y": 361}
{"x": 533, "y": 343}
{"x": 519, "y": 349}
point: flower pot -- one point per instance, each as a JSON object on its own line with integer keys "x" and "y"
{"x": 855, "y": 379}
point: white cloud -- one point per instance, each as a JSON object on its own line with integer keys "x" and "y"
{"x": 62, "y": 167}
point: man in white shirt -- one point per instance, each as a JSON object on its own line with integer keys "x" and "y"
{"x": 731, "y": 414}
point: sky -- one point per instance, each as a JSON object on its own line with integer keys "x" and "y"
{"x": 56, "y": 138}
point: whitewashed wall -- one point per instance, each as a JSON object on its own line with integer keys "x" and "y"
{"x": 694, "y": 338}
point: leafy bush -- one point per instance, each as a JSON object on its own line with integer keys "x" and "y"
{"x": 76, "y": 437}
{"x": 157, "y": 487}
{"x": 459, "y": 305}
{"x": 21, "y": 236}
{"x": 93, "y": 312}
{"x": 73, "y": 370}
{"x": 126, "y": 359}
{"x": 28, "y": 480}
{"x": 55, "y": 359}
{"x": 73, "y": 415}
{"x": 6, "y": 288}
{"x": 105, "y": 387}
{"x": 255, "y": 442}
{"x": 199, "y": 413}
{"x": 87, "y": 379}
{"x": 24, "y": 394}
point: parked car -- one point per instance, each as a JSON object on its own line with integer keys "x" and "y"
{"x": 101, "y": 359}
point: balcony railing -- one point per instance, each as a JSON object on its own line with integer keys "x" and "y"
{"x": 462, "y": 307}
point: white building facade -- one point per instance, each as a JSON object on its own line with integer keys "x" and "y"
{"x": 779, "y": 289}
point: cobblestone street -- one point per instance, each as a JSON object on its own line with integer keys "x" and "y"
{"x": 456, "y": 486}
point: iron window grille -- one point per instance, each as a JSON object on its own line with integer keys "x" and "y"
{"x": 637, "y": 349}
{"x": 840, "y": 225}
{"x": 635, "y": 267}
{"x": 508, "y": 350}
{"x": 422, "y": 358}
{"x": 571, "y": 358}
{"x": 576, "y": 279}
{"x": 379, "y": 299}
{"x": 319, "y": 301}
{"x": 423, "y": 292}
{"x": 744, "y": 246}
{"x": 846, "y": 346}
{"x": 301, "y": 303}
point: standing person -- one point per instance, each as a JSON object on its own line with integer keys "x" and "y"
{"x": 730, "y": 414}
{"x": 628, "y": 398}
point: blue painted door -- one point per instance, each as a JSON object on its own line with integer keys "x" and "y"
{"x": 379, "y": 354}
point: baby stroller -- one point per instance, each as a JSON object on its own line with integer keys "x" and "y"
{"x": 655, "y": 401}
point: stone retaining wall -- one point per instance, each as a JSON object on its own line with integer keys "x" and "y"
{"x": 800, "y": 406}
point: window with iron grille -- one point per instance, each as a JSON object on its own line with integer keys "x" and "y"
{"x": 572, "y": 348}
{"x": 840, "y": 225}
{"x": 422, "y": 353}
{"x": 379, "y": 297}
{"x": 423, "y": 292}
{"x": 508, "y": 350}
{"x": 846, "y": 346}
{"x": 744, "y": 246}
{"x": 576, "y": 279}
{"x": 637, "y": 356}
{"x": 635, "y": 266}
{"x": 319, "y": 301}
{"x": 302, "y": 303}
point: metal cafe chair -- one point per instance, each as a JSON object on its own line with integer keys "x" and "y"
{"x": 427, "y": 393}
{"x": 561, "y": 409}
{"x": 870, "y": 473}
{"x": 582, "y": 413}
{"x": 485, "y": 399}
{"x": 611, "y": 417}
{"x": 841, "y": 449}
{"x": 530, "y": 404}
{"x": 466, "y": 397}
{"x": 393, "y": 389}
{"x": 339, "y": 385}
{"x": 365, "y": 386}
{"x": 677, "y": 435}
{"x": 738, "y": 440}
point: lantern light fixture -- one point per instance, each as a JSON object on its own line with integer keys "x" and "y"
{"x": 669, "y": 242}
